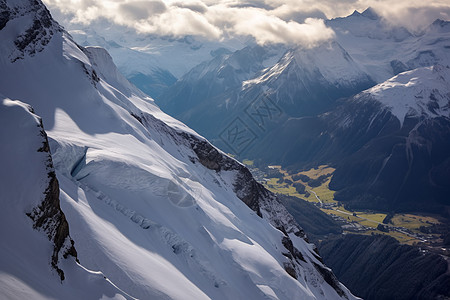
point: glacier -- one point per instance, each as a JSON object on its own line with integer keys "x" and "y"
{"x": 154, "y": 210}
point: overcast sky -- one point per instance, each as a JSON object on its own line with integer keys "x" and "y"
{"x": 268, "y": 21}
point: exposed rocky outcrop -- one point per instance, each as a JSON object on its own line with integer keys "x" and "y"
{"x": 246, "y": 188}
{"x": 263, "y": 202}
{"x": 4, "y": 14}
{"x": 38, "y": 34}
{"x": 48, "y": 216}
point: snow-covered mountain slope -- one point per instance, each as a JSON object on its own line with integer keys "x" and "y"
{"x": 402, "y": 133}
{"x": 149, "y": 203}
{"x": 423, "y": 92}
{"x": 151, "y": 63}
{"x": 203, "y": 88}
{"x": 308, "y": 80}
{"x": 34, "y": 261}
{"x": 302, "y": 82}
{"x": 329, "y": 60}
{"x": 386, "y": 50}
{"x": 381, "y": 49}
{"x": 390, "y": 144}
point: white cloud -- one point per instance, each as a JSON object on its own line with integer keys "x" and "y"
{"x": 270, "y": 21}
{"x": 413, "y": 14}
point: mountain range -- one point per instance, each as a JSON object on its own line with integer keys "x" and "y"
{"x": 105, "y": 196}
{"x": 373, "y": 103}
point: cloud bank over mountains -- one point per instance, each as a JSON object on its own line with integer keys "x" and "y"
{"x": 299, "y": 22}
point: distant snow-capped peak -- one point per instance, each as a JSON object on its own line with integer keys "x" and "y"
{"x": 420, "y": 92}
{"x": 328, "y": 60}
{"x": 368, "y": 24}
{"x": 152, "y": 205}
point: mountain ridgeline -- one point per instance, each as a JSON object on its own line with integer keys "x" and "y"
{"x": 154, "y": 210}
{"x": 382, "y": 122}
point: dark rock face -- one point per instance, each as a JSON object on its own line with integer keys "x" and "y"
{"x": 48, "y": 216}
{"x": 330, "y": 278}
{"x": 314, "y": 221}
{"x": 380, "y": 163}
{"x": 252, "y": 193}
{"x": 4, "y": 14}
{"x": 400, "y": 169}
{"x": 378, "y": 267}
{"x": 398, "y": 67}
{"x": 246, "y": 187}
{"x": 287, "y": 243}
{"x": 38, "y": 35}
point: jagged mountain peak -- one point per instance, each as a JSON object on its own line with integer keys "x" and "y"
{"x": 368, "y": 13}
{"x": 34, "y": 22}
{"x": 371, "y": 14}
{"x": 328, "y": 64}
{"x": 367, "y": 24}
{"x": 440, "y": 26}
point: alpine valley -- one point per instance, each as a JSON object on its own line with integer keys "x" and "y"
{"x": 373, "y": 103}
{"x": 103, "y": 196}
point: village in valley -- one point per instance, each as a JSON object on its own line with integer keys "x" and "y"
{"x": 313, "y": 186}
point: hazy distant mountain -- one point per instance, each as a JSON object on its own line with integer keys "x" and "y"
{"x": 303, "y": 82}
{"x": 151, "y": 63}
{"x": 307, "y": 81}
{"x": 390, "y": 144}
{"x": 386, "y": 50}
{"x": 308, "y": 121}
{"x": 149, "y": 208}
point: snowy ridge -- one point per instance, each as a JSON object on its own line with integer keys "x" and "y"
{"x": 152, "y": 63}
{"x": 423, "y": 92}
{"x": 36, "y": 24}
{"x": 369, "y": 24}
{"x": 148, "y": 53}
{"x": 151, "y": 204}
{"x": 328, "y": 60}
{"x": 35, "y": 241}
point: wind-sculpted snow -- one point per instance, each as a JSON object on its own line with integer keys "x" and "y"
{"x": 36, "y": 254}
{"x": 150, "y": 203}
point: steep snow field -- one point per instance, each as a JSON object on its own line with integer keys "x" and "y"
{"x": 141, "y": 205}
{"x": 25, "y": 271}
